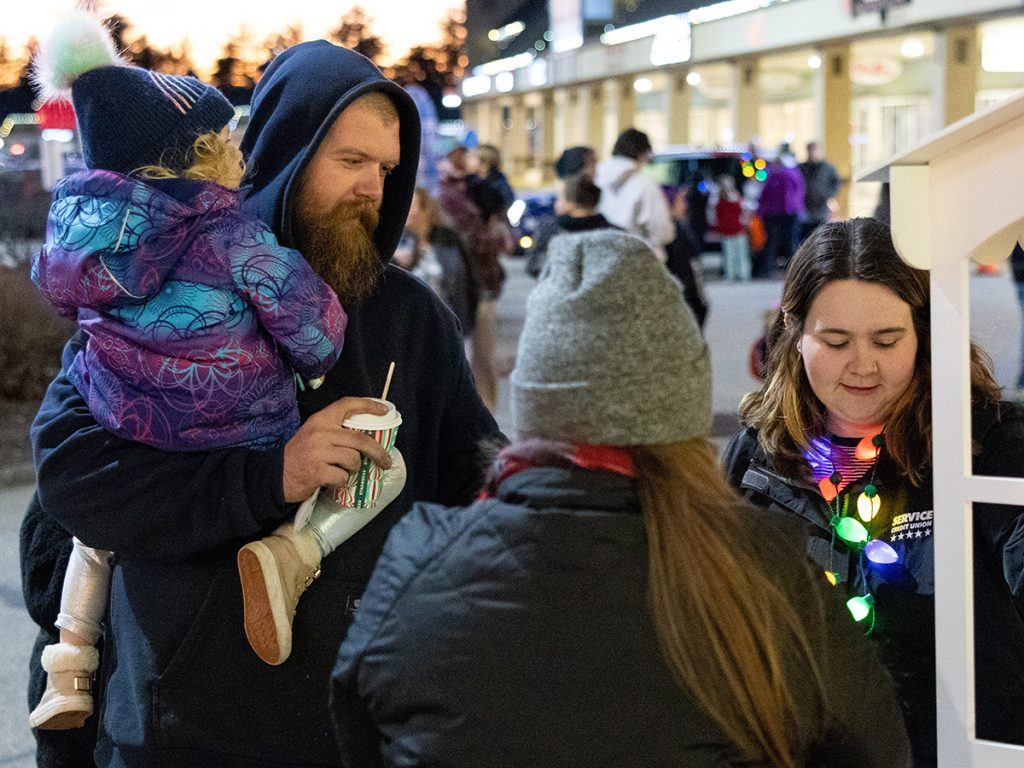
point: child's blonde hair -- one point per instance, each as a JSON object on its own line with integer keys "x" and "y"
{"x": 212, "y": 157}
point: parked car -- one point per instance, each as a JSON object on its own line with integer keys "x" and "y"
{"x": 527, "y": 213}
{"x": 693, "y": 171}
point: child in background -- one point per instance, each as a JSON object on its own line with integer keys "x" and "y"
{"x": 198, "y": 321}
{"x": 729, "y": 215}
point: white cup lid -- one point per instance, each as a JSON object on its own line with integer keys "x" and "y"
{"x": 370, "y": 422}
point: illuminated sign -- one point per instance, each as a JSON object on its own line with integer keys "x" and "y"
{"x": 566, "y": 25}
{"x": 509, "y": 64}
{"x": 504, "y": 81}
{"x": 477, "y": 85}
{"x": 1001, "y": 50}
{"x": 672, "y": 43}
{"x": 875, "y": 71}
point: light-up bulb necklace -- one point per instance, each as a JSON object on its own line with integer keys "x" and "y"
{"x": 854, "y": 530}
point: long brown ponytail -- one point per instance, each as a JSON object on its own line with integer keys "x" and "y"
{"x": 724, "y": 621}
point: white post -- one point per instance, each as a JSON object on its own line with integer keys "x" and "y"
{"x": 51, "y": 161}
{"x": 951, "y": 455}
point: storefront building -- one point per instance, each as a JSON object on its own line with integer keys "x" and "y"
{"x": 864, "y": 78}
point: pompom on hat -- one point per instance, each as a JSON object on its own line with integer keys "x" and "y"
{"x": 128, "y": 117}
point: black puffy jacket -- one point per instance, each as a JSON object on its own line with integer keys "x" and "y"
{"x": 516, "y": 632}
{"x": 905, "y": 592}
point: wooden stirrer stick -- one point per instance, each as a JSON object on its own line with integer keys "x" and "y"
{"x": 387, "y": 383}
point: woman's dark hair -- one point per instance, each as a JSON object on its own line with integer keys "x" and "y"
{"x": 787, "y": 413}
{"x": 633, "y": 144}
{"x": 582, "y": 191}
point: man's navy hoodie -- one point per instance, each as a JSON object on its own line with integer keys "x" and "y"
{"x": 183, "y": 686}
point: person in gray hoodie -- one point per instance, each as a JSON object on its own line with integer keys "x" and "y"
{"x": 631, "y": 200}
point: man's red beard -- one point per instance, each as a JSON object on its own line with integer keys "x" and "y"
{"x": 338, "y": 244}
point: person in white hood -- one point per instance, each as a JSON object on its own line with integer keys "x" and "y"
{"x": 631, "y": 200}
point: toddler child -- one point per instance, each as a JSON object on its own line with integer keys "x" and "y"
{"x": 729, "y": 216}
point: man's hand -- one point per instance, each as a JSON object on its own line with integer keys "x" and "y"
{"x": 323, "y": 452}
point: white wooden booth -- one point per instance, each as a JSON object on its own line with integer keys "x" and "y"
{"x": 956, "y": 198}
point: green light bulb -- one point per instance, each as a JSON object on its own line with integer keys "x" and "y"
{"x": 851, "y": 531}
{"x": 860, "y": 607}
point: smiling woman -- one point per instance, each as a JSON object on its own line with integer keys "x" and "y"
{"x": 858, "y": 363}
{"x": 839, "y": 440}
{"x": 846, "y": 298}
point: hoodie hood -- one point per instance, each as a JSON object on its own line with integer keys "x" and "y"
{"x": 614, "y": 172}
{"x": 112, "y": 240}
{"x": 294, "y": 105}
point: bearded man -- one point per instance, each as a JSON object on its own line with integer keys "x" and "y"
{"x": 332, "y": 148}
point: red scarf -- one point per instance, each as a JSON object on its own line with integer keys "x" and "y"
{"x": 542, "y": 453}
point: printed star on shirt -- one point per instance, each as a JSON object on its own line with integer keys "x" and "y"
{"x": 917, "y": 534}
{"x": 897, "y": 537}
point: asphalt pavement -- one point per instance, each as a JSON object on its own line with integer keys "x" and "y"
{"x": 17, "y": 748}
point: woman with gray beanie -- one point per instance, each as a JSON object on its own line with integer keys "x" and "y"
{"x": 608, "y": 601}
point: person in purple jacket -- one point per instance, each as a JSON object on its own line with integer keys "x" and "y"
{"x": 199, "y": 323}
{"x": 780, "y": 206}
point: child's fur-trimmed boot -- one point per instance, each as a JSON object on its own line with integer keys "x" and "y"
{"x": 67, "y": 700}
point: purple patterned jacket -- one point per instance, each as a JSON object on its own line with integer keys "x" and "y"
{"x": 196, "y": 316}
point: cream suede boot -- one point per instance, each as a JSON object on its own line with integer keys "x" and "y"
{"x": 67, "y": 700}
{"x": 275, "y": 571}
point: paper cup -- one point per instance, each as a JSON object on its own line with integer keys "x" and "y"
{"x": 364, "y": 486}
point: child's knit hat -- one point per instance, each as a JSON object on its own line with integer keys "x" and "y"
{"x": 610, "y": 354}
{"x": 128, "y": 117}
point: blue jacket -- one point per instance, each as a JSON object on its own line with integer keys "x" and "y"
{"x": 183, "y": 686}
{"x": 515, "y": 633}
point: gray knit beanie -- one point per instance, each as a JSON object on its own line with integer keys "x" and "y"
{"x": 610, "y": 354}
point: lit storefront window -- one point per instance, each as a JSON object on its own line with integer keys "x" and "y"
{"x": 1002, "y": 61}
{"x": 787, "y": 100}
{"x": 652, "y": 108}
{"x": 711, "y": 111}
{"x": 893, "y": 106}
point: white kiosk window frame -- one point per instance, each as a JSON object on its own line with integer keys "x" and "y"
{"x": 957, "y": 198}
